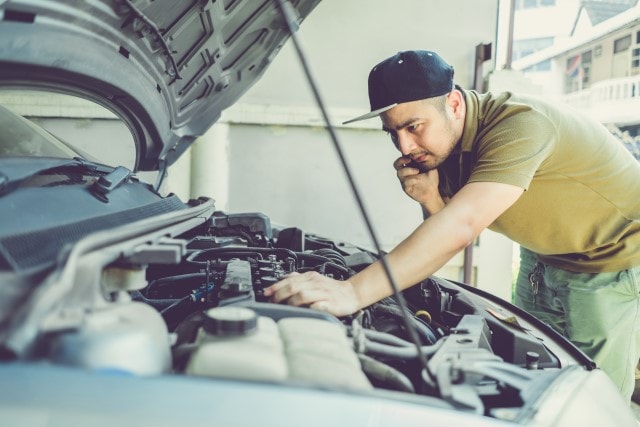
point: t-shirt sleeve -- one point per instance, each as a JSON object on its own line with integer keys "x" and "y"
{"x": 514, "y": 150}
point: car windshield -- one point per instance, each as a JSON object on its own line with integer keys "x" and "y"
{"x": 21, "y": 138}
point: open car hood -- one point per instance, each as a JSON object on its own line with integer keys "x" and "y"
{"x": 166, "y": 67}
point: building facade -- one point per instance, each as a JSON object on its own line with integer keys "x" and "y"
{"x": 597, "y": 68}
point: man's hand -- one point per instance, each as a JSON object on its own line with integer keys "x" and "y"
{"x": 420, "y": 186}
{"x": 315, "y": 291}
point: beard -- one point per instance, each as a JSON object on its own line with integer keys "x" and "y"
{"x": 425, "y": 160}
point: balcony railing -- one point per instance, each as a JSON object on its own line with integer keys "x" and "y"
{"x": 610, "y": 101}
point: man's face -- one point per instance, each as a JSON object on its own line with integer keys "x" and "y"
{"x": 423, "y": 132}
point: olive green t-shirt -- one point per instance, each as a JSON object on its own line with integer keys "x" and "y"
{"x": 581, "y": 207}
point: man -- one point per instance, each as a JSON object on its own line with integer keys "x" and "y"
{"x": 547, "y": 177}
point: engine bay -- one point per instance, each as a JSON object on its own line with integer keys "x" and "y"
{"x": 203, "y": 313}
{"x": 468, "y": 347}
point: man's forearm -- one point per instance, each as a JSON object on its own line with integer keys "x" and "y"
{"x": 436, "y": 240}
{"x": 427, "y": 249}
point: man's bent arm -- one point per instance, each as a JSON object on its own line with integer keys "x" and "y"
{"x": 429, "y": 247}
{"x": 436, "y": 240}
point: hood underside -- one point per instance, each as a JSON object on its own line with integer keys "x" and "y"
{"x": 168, "y": 68}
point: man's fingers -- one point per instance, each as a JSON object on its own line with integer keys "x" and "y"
{"x": 399, "y": 163}
{"x": 403, "y": 172}
{"x": 307, "y": 296}
{"x": 409, "y": 182}
{"x": 314, "y": 290}
{"x": 292, "y": 284}
{"x": 403, "y": 163}
{"x": 269, "y": 291}
{"x": 281, "y": 291}
{"x": 407, "y": 173}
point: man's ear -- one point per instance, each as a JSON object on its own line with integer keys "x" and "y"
{"x": 456, "y": 102}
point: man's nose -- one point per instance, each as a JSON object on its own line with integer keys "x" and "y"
{"x": 405, "y": 143}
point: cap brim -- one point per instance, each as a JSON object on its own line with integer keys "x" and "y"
{"x": 371, "y": 114}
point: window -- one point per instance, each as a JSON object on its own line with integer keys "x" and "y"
{"x": 585, "y": 59}
{"x": 573, "y": 66}
{"x": 575, "y": 73}
{"x": 635, "y": 60}
{"x": 533, "y": 4}
{"x": 622, "y": 44}
{"x": 522, "y": 48}
{"x": 540, "y": 66}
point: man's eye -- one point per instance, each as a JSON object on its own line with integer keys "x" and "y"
{"x": 413, "y": 128}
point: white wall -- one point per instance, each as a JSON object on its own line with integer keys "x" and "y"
{"x": 344, "y": 39}
{"x": 295, "y": 174}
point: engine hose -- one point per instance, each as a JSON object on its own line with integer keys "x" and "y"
{"x": 385, "y": 338}
{"x": 385, "y": 374}
{"x": 177, "y": 311}
{"x": 327, "y": 266}
{"x": 331, "y": 254}
{"x": 159, "y": 304}
{"x": 162, "y": 281}
{"x": 181, "y": 354}
{"x": 177, "y": 303}
{"x": 314, "y": 260}
{"x": 424, "y": 329}
{"x": 394, "y": 352}
{"x": 233, "y": 232}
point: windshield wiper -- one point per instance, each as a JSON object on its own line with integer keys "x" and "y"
{"x": 109, "y": 182}
{"x": 15, "y": 171}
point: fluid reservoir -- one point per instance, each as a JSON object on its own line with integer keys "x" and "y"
{"x": 127, "y": 337}
{"x": 234, "y": 342}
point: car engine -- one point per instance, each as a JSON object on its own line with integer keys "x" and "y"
{"x": 198, "y": 309}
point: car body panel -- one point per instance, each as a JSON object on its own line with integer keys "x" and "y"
{"x": 167, "y": 68}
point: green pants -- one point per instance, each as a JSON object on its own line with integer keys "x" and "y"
{"x": 599, "y": 313}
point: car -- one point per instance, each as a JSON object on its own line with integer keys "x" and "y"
{"x": 120, "y": 305}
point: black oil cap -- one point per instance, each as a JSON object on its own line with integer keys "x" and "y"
{"x": 230, "y": 321}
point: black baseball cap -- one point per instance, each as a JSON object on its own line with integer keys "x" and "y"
{"x": 406, "y": 76}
